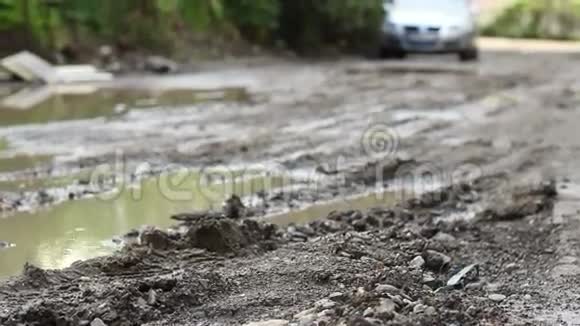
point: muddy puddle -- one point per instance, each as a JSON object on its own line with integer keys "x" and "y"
{"x": 32, "y": 183}
{"x": 3, "y": 144}
{"x": 78, "y": 230}
{"x": 22, "y": 162}
{"x": 322, "y": 210}
{"x": 57, "y": 103}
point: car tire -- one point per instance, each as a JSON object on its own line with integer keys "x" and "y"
{"x": 469, "y": 55}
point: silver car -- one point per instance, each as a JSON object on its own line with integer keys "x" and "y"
{"x": 429, "y": 26}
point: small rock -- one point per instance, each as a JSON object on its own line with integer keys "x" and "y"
{"x": 234, "y": 208}
{"x": 152, "y": 297}
{"x": 417, "y": 263}
{"x": 360, "y": 226}
{"x": 371, "y": 322}
{"x": 511, "y": 267}
{"x": 464, "y": 275}
{"x": 296, "y": 236}
{"x": 304, "y": 313}
{"x": 325, "y": 304}
{"x": 431, "y": 281}
{"x": 445, "y": 238}
{"x": 134, "y": 233}
{"x": 474, "y": 286}
{"x": 397, "y": 299}
{"x": 472, "y": 311}
{"x": 98, "y": 322}
{"x": 141, "y": 302}
{"x": 306, "y": 317}
{"x": 387, "y": 289}
{"x": 386, "y": 309}
{"x": 327, "y": 313}
{"x": 337, "y": 297}
{"x": 369, "y": 312}
{"x": 6, "y": 245}
{"x": 430, "y": 311}
{"x": 160, "y": 65}
{"x": 436, "y": 261}
{"x": 497, "y": 297}
{"x": 492, "y": 287}
{"x": 420, "y": 308}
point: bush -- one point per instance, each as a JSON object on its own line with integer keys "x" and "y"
{"x": 256, "y": 20}
{"x": 538, "y": 19}
{"x": 303, "y": 25}
{"x": 307, "y": 25}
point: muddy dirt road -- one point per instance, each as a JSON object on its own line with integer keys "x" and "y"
{"x": 429, "y": 193}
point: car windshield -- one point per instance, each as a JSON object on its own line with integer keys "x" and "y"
{"x": 431, "y": 4}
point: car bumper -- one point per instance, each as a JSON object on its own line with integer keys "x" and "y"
{"x": 434, "y": 45}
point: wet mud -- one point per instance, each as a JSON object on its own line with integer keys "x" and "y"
{"x": 375, "y": 267}
{"x": 388, "y": 194}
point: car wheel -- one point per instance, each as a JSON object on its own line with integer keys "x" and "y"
{"x": 469, "y": 55}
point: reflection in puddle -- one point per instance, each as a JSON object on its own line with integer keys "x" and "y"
{"x": 398, "y": 191}
{"x": 55, "y": 103}
{"x": 22, "y": 162}
{"x": 3, "y": 144}
{"x": 83, "y": 229}
{"x": 35, "y": 183}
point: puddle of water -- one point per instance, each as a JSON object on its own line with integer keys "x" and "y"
{"x": 320, "y": 211}
{"x": 47, "y": 104}
{"x": 79, "y": 230}
{"x": 33, "y": 183}
{"x": 22, "y": 162}
{"x": 3, "y": 144}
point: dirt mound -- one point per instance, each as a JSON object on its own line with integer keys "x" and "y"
{"x": 218, "y": 236}
{"x": 212, "y": 233}
{"x": 124, "y": 301}
{"x": 397, "y": 266}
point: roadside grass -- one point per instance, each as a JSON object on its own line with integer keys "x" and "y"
{"x": 537, "y": 19}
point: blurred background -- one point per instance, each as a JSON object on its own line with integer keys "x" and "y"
{"x": 74, "y": 30}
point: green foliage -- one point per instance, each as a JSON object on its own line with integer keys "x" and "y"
{"x": 257, "y": 20}
{"x": 304, "y": 25}
{"x": 538, "y": 19}
{"x": 201, "y": 14}
{"x": 9, "y": 16}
